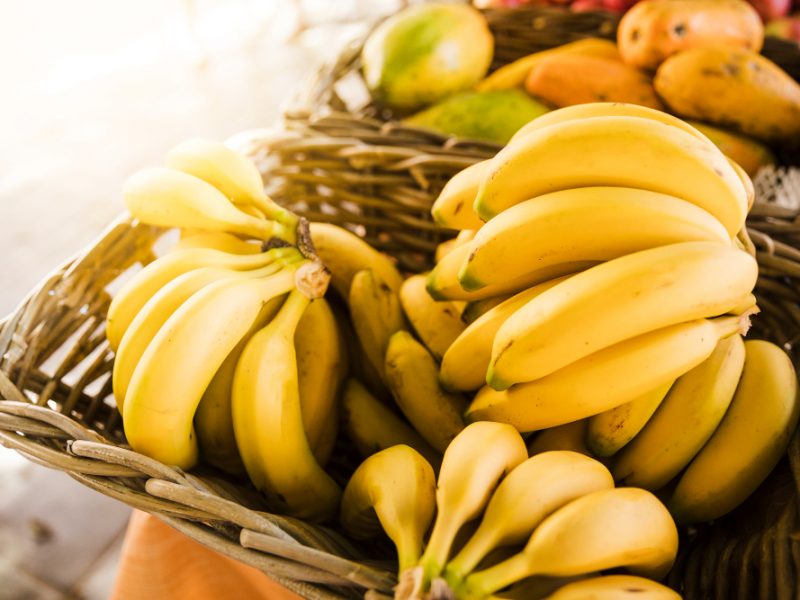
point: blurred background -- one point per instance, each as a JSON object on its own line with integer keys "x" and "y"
{"x": 93, "y": 90}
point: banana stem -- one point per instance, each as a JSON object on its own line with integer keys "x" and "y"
{"x": 468, "y": 558}
{"x": 292, "y": 310}
{"x": 439, "y": 544}
{"x": 272, "y": 210}
{"x": 487, "y": 582}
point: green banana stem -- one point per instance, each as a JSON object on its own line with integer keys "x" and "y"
{"x": 487, "y": 582}
{"x": 439, "y": 544}
{"x": 467, "y": 559}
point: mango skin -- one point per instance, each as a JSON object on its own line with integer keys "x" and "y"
{"x": 748, "y": 153}
{"x": 734, "y": 88}
{"x": 493, "y": 116}
{"x": 654, "y": 30}
{"x": 426, "y": 53}
{"x": 568, "y": 79}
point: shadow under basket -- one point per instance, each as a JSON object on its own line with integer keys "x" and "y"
{"x": 351, "y": 164}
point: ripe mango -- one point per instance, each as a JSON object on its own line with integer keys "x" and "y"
{"x": 748, "y": 153}
{"x": 735, "y": 88}
{"x": 494, "y": 116}
{"x": 567, "y": 79}
{"x": 425, "y": 53}
{"x": 656, "y": 29}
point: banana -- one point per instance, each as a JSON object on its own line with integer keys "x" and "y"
{"x": 611, "y": 430}
{"x": 617, "y": 300}
{"x": 217, "y": 240}
{"x": 373, "y": 427}
{"x": 268, "y": 421}
{"x": 326, "y": 442}
{"x": 213, "y": 420}
{"x": 747, "y": 183}
{"x": 453, "y": 207}
{"x": 412, "y": 377}
{"x": 477, "y": 308}
{"x": 623, "y": 527}
{"x": 230, "y": 172}
{"x": 436, "y": 323}
{"x": 666, "y": 158}
{"x": 443, "y": 284}
{"x": 171, "y": 198}
{"x": 614, "y": 587}
{"x": 685, "y": 420}
{"x": 533, "y": 490}
{"x": 569, "y": 436}
{"x": 141, "y": 287}
{"x": 465, "y": 363}
{"x": 376, "y": 315}
{"x": 607, "y": 378}
{"x": 345, "y": 254}
{"x": 180, "y": 361}
{"x": 448, "y": 246}
{"x": 748, "y": 443}
{"x": 473, "y": 465}
{"x": 393, "y": 490}
{"x": 562, "y": 227}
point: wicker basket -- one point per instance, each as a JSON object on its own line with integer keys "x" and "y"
{"x": 344, "y": 163}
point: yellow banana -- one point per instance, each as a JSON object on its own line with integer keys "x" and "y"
{"x": 747, "y": 183}
{"x": 533, "y": 490}
{"x": 623, "y": 527}
{"x": 453, "y": 207}
{"x": 617, "y": 300}
{"x": 217, "y": 240}
{"x": 477, "y": 308}
{"x": 569, "y": 436}
{"x": 611, "y": 430}
{"x": 685, "y": 421}
{"x": 749, "y": 441}
{"x": 171, "y": 198}
{"x": 666, "y": 158}
{"x": 393, "y": 490}
{"x": 345, "y": 254}
{"x": 412, "y": 377}
{"x": 373, "y": 427}
{"x": 180, "y": 361}
{"x": 376, "y": 315}
{"x": 268, "y": 421}
{"x": 607, "y": 378}
{"x": 563, "y": 227}
{"x": 436, "y": 323}
{"x": 326, "y": 442}
{"x": 443, "y": 284}
{"x": 448, "y": 246}
{"x": 615, "y": 587}
{"x": 465, "y": 363}
{"x": 141, "y": 287}
{"x": 474, "y": 463}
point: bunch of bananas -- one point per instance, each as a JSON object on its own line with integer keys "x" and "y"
{"x": 545, "y": 520}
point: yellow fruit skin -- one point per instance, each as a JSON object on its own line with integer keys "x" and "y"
{"x": 737, "y": 89}
{"x": 749, "y": 441}
{"x": 570, "y": 436}
{"x": 453, "y": 206}
{"x": 745, "y": 151}
{"x": 614, "y": 587}
{"x": 436, "y": 323}
{"x": 653, "y": 30}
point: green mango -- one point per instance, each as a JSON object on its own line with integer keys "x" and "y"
{"x": 493, "y": 116}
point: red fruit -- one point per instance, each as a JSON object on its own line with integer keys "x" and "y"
{"x": 771, "y": 9}
{"x": 587, "y": 5}
{"x": 787, "y": 28}
{"x": 619, "y": 6}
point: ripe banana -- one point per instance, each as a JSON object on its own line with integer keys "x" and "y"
{"x": 474, "y": 463}
{"x": 477, "y": 308}
{"x": 615, "y": 587}
{"x": 611, "y": 430}
{"x": 747, "y": 183}
{"x": 685, "y": 420}
{"x": 436, "y": 323}
{"x": 376, "y": 315}
{"x": 443, "y": 284}
{"x": 453, "y": 207}
{"x": 607, "y": 378}
{"x": 562, "y": 227}
{"x": 345, "y": 254}
{"x": 448, "y": 246}
{"x": 569, "y": 436}
{"x": 749, "y": 441}
{"x": 666, "y": 158}
{"x": 623, "y": 527}
{"x": 532, "y": 491}
{"x": 465, "y": 363}
{"x": 327, "y": 440}
{"x": 230, "y": 172}
{"x": 127, "y": 303}
{"x": 393, "y": 490}
{"x": 617, "y": 300}
{"x": 412, "y": 377}
{"x": 217, "y": 240}
{"x": 180, "y": 361}
{"x": 373, "y": 427}
{"x": 171, "y": 198}
{"x": 268, "y": 421}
